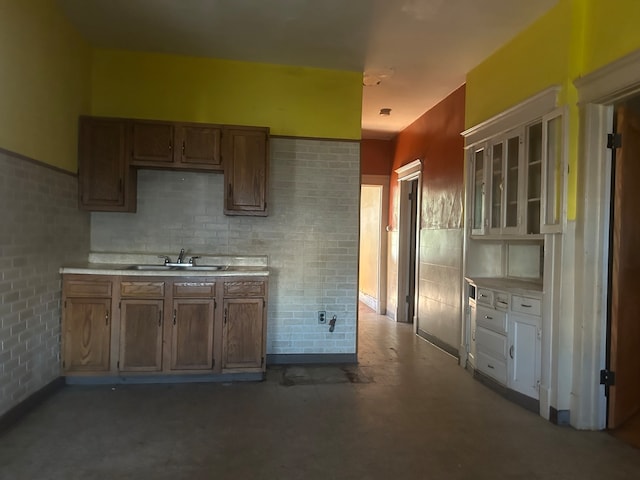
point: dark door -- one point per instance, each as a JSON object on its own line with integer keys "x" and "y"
{"x": 413, "y": 236}
{"x": 624, "y": 315}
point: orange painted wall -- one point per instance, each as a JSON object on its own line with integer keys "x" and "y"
{"x": 435, "y": 139}
{"x": 376, "y": 157}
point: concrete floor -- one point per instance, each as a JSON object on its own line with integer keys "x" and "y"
{"x": 406, "y": 412}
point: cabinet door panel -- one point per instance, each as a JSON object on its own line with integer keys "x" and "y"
{"x": 141, "y": 335}
{"x": 192, "y": 334}
{"x": 524, "y": 356}
{"x": 152, "y": 143}
{"x": 243, "y": 333}
{"x": 104, "y": 176}
{"x": 199, "y": 146}
{"x": 87, "y": 332}
{"x": 246, "y": 171}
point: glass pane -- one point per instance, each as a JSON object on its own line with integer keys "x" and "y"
{"x": 554, "y": 175}
{"x": 478, "y": 186}
{"x": 496, "y": 186}
{"x": 534, "y": 177}
{"x": 513, "y": 153}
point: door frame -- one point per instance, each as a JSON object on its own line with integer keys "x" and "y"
{"x": 381, "y": 181}
{"x": 598, "y": 92}
{"x": 406, "y": 174}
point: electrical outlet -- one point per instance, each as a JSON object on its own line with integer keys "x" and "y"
{"x": 322, "y": 317}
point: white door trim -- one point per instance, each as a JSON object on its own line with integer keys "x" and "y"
{"x": 597, "y": 93}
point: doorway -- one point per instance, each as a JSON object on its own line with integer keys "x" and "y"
{"x": 410, "y": 180}
{"x": 623, "y": 327}
{"x": 372, "y": 275}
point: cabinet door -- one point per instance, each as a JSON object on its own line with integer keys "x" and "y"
{"x": 192, "y": 334}
{"x": 152, "y": 144}
{"x": 513, "y": 210}
{"x": 86, "y": 334}
{"x": 140, "y": 335}
{"x": 472, "y": 339}
{"x": 198, "y": 147}
{"x": 477, "y": 195}
{"x": 495, "y": 198}
{"x": 534, "y": 178}
{"x": 243, "y": 339}
{"x": 524, "y": 355}
{"x": 106, "y": 183}
{"x": 246, "y": 165}
{"x": 553, "y": 172}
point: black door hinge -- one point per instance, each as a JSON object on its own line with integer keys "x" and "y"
{"x": 608, "y": 379}
{"x": 118, "y": 364}
{"x": 262, "y": 362}
{"x": 614, "y": 140}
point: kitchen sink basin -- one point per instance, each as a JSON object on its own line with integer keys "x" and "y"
{"x": 180, "y": 267}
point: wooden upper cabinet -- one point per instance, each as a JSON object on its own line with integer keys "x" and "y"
{"x": 246, "y": 169}
{"x": 176, "y": 145}
{"x": 199, "y": 147}
{"x": 152, "y": 144}
{"x": 106, "y": 181}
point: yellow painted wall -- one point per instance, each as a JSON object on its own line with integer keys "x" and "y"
{"x": 45, "y": 69}
{"x": 612, "y": 31}
{"x": 293, "y": 101}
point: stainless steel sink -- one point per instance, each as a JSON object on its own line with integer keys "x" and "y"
{"x": 179, "y": 267}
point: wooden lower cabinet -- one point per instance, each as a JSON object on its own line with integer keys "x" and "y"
{"x": 192, "y": 335}
{"x": 243, "y": 333}
{"x": 86, "y": 334}
{"x": 116, "y": 325}
{"x": 140, "y": 335}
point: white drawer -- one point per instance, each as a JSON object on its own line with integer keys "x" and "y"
{"x": 492, "y": 319}
{"x": 491, "y": 342}
{"x": 528, "y": 305}
{"x": 501, "y": 301}
{"x": 494, "y": 368}
{"x": 485, "y": 297}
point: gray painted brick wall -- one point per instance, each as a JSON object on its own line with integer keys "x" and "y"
{"x": 41, "y": 229}
{"x": 310, "y": 236}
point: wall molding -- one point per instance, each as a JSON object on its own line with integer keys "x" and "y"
{"x": 22, "y": 409}
{"x": 612, "y": 82}
{"x": 530, "y": 109}
{"x": 310, "y": 358}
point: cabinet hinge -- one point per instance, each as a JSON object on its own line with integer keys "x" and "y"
{"x": 614, "y": 140}
{"x": 120, "y": 305}
{"x": 63, "y": 364}
{"x": 65, "y": 304}
{"x": 406, "y": 299}
{"x": 608, "y": 379}
{"x": 262, "y": 362}
{"x": 213, "y": 362}
{"x": 118, "y": 364}
{"x": 215, "y": 304}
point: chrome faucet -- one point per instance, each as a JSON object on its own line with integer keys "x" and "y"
{"x": 180, "y": 256}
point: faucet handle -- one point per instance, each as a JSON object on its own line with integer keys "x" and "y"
{"x": 192, "y": 260}
{"x": 166, "y": 258}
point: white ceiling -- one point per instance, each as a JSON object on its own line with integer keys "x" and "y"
{"x": 421, "y": 49}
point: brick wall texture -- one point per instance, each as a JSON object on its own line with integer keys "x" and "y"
{"x": 41, "y": 229}
{"x": 310, "y": 236}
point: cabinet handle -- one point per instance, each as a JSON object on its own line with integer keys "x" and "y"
{"x": 511, "y": 351}
{"x": 482, "y": 295}
{"x": 491, "y": 366}
{"x": 525, "y": 306}
{"x": 106, "y": 318}
{"x": 175, "y": 313}
{"x": 225, "y": 316}
{"x": 503, "y": 303}
{"x": 487, "y": 317}
{"x": 183, "y": 148}
{"x": 160, "y": 318}
{"x": 170, "y": 146}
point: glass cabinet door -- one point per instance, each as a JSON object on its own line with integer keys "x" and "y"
{"x": 497, "y": 164}
{"x": 477, "y": 198}
{"x": 511, "y": 183}
{"x": 534, "y": 177}
{"x": 553, "y": 168}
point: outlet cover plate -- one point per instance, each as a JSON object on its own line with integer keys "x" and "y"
{"x": 322, "y": 317}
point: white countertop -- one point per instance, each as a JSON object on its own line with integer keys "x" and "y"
{"x": 107, "y": 263}
{"x": 511, "y": 285}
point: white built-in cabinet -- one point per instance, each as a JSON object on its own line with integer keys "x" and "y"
{"x": 517, "y": 179}
{"x": 506, "y": 335}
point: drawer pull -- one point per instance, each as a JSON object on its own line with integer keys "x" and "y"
{"x": 525, "y": 306}
{"x": 511, "y": 351}
{"x": 491, "y": 366}
{"x": 482, "y": 295}
{"x": 503, "y": 303}
{"x": 487, "y": 317}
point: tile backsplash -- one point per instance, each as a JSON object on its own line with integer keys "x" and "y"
{"x": 310, "y": 235}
